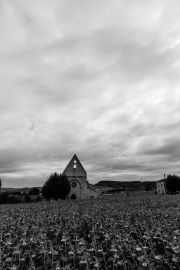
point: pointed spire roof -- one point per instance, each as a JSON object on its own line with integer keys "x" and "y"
{"x": 74, "y": 160}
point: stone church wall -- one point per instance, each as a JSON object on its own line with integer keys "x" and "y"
{"x": 77, "y": 177}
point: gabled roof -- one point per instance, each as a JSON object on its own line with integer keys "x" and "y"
{"x": 162, "y": 180}
{"x": 72, "y": 161}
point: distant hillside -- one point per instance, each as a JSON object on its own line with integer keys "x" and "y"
{"x": 26, "y": 189}
{"x": 126, "y": 184}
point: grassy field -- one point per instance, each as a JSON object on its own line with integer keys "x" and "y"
{"x": 116, "y": 232}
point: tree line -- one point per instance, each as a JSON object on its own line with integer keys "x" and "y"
{"x": 55, "y": 187}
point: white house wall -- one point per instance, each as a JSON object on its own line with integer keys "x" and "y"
{"x": 160, "y": 187}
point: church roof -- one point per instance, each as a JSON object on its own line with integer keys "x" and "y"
{"x": 75, "y": 159}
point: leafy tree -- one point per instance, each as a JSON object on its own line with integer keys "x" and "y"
{"x": 34, "y": 191}
{"x": 56, "y": 187}
{"x": 173, "y": 183}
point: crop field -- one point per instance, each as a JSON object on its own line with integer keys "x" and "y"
{"x": 135, "y": 232}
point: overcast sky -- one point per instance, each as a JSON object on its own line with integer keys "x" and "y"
{"x": 99, "y": 78}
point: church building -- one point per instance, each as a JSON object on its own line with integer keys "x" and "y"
{"x": 77, "y": 176}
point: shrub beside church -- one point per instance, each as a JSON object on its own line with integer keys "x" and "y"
{"x": 56, "y": 187}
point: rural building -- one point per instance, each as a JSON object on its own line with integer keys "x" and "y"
{"x": 77, "y": 176}
{"x": 161, "y": 186}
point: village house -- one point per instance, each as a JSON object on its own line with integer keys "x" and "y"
{"x": 77, "y": 176}
{"x": 161, "y": 186}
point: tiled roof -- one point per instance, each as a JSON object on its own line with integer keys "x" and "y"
{"x": 162, "y": 180}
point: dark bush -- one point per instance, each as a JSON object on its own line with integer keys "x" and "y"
{"x": 14, "y": 199}
{"x": 4, "y": 197}
{"x": 34, "y": 191}
{"x": 56, "y": 187}
{"x": 27, "y": 198}
{"x": 173, "y": 183}
{"x": 38, "y": 199}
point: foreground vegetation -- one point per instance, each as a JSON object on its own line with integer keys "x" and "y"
{"x": 140, "y": 232}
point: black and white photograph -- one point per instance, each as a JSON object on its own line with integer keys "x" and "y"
{"x": 89, "y": 134}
